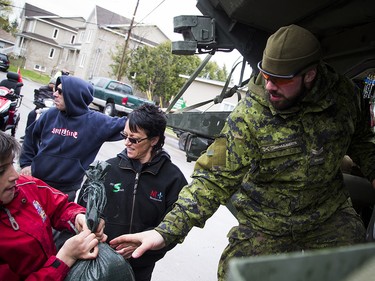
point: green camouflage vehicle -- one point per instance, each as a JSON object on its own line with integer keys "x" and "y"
{"x": 346, "y": 31}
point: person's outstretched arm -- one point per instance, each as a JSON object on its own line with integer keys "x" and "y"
{"x": 135, "y": 245}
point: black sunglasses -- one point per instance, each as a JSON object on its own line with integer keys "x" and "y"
{"x": 60, "y": 91}
{"x": 132, "y": 140}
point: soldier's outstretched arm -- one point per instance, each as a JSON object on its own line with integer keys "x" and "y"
{"x": 135, "y": 245}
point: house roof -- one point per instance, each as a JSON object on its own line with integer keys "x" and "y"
{"x": 106, "y": 17}
{"x": 117, "y": 23}
{"x": 54, "y": 22}
{"x": 33, "y": 11}
{"x": 7, "y": 37}
{"x": 39, "y": 38}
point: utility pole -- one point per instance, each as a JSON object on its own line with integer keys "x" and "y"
{"x": 119, "y": 74}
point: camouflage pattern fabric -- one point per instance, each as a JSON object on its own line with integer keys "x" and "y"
{"x": 343, "y": 228}
{"x": 281, "y": 167}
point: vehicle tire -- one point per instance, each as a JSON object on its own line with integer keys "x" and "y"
{"x": 109, "y": 109}
{"x": 182, "y": 140}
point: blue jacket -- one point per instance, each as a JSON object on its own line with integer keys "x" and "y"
{"x": 61, "y": 145}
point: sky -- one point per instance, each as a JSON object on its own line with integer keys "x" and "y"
{"x": 156, "y": 12}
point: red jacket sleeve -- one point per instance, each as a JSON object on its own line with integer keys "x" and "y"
{"x": 53, "y": 270}
{"x": 58, "y": 208}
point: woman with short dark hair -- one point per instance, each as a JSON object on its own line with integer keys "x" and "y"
{"x": 142, "y": 184}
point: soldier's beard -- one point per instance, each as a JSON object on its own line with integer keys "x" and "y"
{"x": 281, "y": 102}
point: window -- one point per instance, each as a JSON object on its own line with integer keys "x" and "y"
{"x": 121, "y": 88}
{"x": 72, "y": 39}
{"x": 30, "y": 26}
{"x": 112, "y": 85}
{"x": 51, "y": 53}
{"x": 40, "y": 68}
{"x": 83, "y": 59}
{"x": 82, "y": 36}
{"x": 55, "y": 33}
{"x": 88, "y": 37}
{"x": 20, "y": 43}
{"x": 126, "y": 89}
{"x": 102, "y": 83}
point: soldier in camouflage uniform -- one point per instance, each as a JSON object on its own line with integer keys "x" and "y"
{"x": 282, "y": 145}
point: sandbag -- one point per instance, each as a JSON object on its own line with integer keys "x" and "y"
{"x": 109, "y": 265}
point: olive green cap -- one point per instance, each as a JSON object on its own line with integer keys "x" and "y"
{"x": 288, "y": 51}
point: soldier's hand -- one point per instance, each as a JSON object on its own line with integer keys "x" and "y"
{"x": 137, "y": 244}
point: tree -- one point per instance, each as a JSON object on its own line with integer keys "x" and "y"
{"x": 155, "y": 70}
{"x": 13, "y": 27}
{"x": 5, "y": 10}
{"x": 214, "y": 72}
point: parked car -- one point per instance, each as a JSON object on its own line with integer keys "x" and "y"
{"x": 115, "y": 97}
{"x": 4, "y": 62}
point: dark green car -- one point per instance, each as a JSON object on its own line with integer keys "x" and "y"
{"x": 115, "y": 97}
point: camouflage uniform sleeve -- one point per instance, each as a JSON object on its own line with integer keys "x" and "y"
{"x": 218, "y": 173}
{"x": 362, "y": 146}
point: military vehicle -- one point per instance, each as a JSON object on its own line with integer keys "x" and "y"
{"x": 345, "y": 29}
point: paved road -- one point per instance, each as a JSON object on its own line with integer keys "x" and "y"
{"x": 198, "y": 256}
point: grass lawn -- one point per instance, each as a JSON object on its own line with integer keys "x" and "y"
{"x": 31, "y": 75}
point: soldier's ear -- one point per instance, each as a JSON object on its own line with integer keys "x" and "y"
{"x": 310, "y": 75}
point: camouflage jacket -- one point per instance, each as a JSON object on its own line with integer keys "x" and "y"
{"x": 282, "y": 168}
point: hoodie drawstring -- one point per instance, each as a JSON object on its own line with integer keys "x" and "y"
{"x": 11, "y": 219}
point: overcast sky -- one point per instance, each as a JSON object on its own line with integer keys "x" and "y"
{"x": 156, "y": 12}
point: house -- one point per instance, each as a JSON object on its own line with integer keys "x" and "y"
{"x": 7, "y": 41}
{"x": 209, "y": 89}
{"x": 43, "y": 40}
{"x": 104, "y": 35}
{"x": 49, "y": 42}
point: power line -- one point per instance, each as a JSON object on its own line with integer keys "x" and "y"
{"x": 152, "y": 11}
{"x": 88, "y": 22}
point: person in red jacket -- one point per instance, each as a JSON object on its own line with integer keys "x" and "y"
{"x": 29, "y": 208}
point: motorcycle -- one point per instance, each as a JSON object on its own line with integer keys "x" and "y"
{"x": 10, "y": 101}
{"x": 42, "y": 105}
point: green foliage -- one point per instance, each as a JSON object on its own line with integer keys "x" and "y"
{"x": 5, "y": 8}
{"x": 5, "y": 11}
{"x": 13, "y": 27}
{"x": 155, "y": 70}
{"x": 214, "y": 72}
